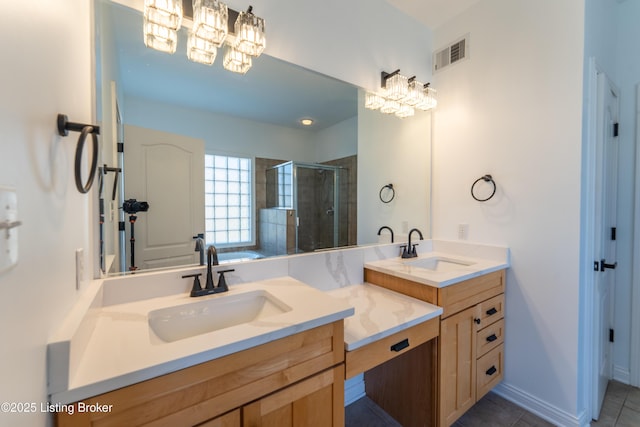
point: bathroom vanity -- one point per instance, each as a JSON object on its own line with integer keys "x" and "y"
{"x": 427, "y": 337}
{"x": 470, "y": 348}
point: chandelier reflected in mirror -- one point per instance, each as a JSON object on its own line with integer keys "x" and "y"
{"x": 213, "y": 25}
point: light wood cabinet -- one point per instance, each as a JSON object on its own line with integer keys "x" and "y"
{"x": 303, "y": 370}
{"x": 470, "y": 349}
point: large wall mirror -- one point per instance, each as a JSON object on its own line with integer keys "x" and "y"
{"x": 225, "y": 156}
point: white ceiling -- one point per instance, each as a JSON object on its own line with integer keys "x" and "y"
{"x": 433, "y": 13}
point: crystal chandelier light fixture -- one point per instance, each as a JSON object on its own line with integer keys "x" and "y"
{"x": 236, "y": 61}
{"x": 163, "y": 19}
{"x": 210, "y": 21}
{"x": 201, "y": 50}
{"x": 401, "y": 95}
{"x": 249, "y": 31}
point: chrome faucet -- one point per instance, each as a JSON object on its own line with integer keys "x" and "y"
{"x": 409, "y": 251}
{"x": 388, "y": 228}
{"x": 200, "y": 246}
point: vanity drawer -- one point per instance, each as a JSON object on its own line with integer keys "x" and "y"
{"x": 489, "y": 311}
{"x": 489, "y": 371}
{"x": 371, "y": 355}
{"x": 490, "y": 337}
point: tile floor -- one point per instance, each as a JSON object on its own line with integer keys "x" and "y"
{"x": 621, "y": 408}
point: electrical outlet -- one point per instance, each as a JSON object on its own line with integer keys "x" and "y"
{"x": 79, "y": 267}
{"x": 463, "y": 231}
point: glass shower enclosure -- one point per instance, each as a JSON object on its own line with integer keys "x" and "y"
{"x": 316, "y": 195}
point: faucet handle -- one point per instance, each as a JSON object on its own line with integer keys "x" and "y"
{"x": 404, "y": 251}
{"x": 196, "y": 289}
{"x": 222, "y": 282}
{"x": 413, "y": 249}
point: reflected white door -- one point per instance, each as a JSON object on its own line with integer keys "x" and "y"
{"x": 166, "y": 171}
{"x": 606, "y": 199}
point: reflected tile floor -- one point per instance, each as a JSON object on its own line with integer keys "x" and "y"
{"x": 621, "y": 408}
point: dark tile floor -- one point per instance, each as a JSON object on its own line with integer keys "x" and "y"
{"x": 621, "y": 408}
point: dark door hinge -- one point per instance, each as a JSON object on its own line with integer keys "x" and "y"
{"x": 615, "y": 129}
{"x": 613, "y": 233}
{"x": 611, "y": 335}
{"x": 120, "y": 147}
{"x": 121, "y": 226}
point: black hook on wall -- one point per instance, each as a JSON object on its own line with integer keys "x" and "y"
{"x": 64, "y": 126}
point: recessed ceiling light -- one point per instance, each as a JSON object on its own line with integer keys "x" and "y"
{"x": 306, "y": 122}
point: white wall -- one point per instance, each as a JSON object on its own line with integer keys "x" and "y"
{"x": 43, "y": 73}
{"x": 514, "y": 110}
{"x": 245, "y": 137}
{"x": 396, "y": 151}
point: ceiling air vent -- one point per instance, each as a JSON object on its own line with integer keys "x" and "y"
{"x": 455, "y": 52}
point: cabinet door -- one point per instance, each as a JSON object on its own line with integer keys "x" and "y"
{"x": 230, "y": 419}
{"x": 315, "y": 402}
{"x": 457, "y": 365}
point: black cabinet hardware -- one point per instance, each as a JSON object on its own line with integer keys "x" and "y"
{"x": 492, "y": 370}
{"x": 491, "y": 311}
{"x": 477, "y": 321}
{"x": 492, "y": 338}
{"x": 401, "y": 345}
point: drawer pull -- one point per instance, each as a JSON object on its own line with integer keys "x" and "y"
{"x": 492, "y": 338}
{"x": 491, "y": 311}
{"x": 401, "y": 345}
{"x": 492, "y": 370}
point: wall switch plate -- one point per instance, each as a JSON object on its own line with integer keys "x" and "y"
{"x": 8, "y": 228}
{"x": 463, "y": 231}
{"x": 79, "y": 267}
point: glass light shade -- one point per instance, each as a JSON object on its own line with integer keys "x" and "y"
{"x": 210, "y": 20}
{"x": 373, "y": 101}
{"x": 160, "y": 38}
{"x": 201, "y": 50}
{"x": 166, "y": 13}
{"x": 236, "y": 61}
{"x": 397, "y": 87}
{"x": 249, "y": 31}
{"x": 405, "y": 111}
{"x": 429, "y": 99}
{"x": 390, "y": 107}
{"x": 415, "y": 94}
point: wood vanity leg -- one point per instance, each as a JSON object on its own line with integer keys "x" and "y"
{"x": 406, "y": 386}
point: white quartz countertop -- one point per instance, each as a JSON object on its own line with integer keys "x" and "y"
{"x": 379, "y": 312}
{"x": 439, "y": 269}
{"x": 119, "y": 348}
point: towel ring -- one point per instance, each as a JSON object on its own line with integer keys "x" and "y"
{"x": 485, "y": 178}
{"x": 64, "y": 126}
{"x": 393, "y": 193}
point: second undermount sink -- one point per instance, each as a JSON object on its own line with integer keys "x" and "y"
{"x": 220, "y": 312}
{"x": 439, "y": 264}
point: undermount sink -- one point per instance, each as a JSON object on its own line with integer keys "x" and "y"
{"x": 220, "y": 312}
{"x": 439, "y": 264}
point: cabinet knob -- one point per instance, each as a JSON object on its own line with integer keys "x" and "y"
{"x": 477, "y": 321}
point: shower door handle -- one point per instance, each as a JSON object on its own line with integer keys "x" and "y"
{"x": 330, "y": 211}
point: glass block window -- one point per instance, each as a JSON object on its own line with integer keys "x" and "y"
{"x": 285, "y": 186}
{"x": 227, "y": 200}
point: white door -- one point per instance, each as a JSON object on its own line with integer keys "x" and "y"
{"x": 606, "y": 198}
{"x": 166, "y": 171}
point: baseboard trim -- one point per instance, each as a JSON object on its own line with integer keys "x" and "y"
{"x": 541, "y": 408}
{"x": 622, "y": 375}
{"x": 354, "y": 389}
